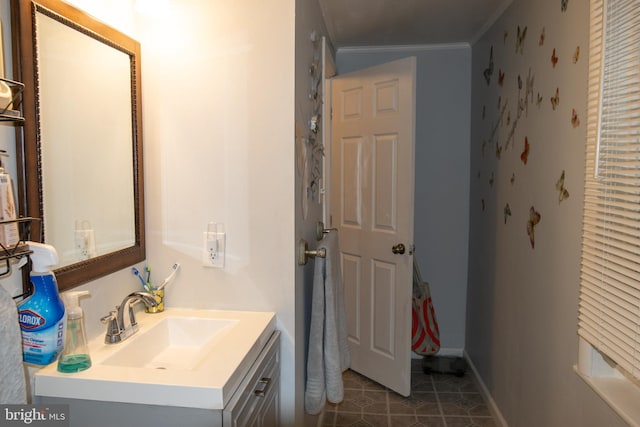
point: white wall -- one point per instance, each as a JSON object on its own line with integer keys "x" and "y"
{"x": 522, "y": 301}
{"x": 218, "y": 126}
{"x": 218, "y": 121}
{"x": 442, "y": 173}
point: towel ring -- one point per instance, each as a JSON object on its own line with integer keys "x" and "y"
{"x": 304, "y": 253}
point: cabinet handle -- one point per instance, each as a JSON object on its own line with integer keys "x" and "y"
{"x": 261, "y": 388}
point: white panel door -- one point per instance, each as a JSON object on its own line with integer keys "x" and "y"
{"x": 372, "y": 182}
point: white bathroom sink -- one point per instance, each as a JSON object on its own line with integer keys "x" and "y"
{"x": 188, "y": 358}
{"x": 173, "y": 343}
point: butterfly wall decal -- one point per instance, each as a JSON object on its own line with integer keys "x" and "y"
{"x": 555, "y": 100}
{"x": 563, "y": 193}
{"x": 541, "y": 41}
{"x": 539, "y": 100}
{"x": 524, "y": 156}
{"x": 520, "y": 39}
{"x": 507, "y": 212}
{"x": 554, "y": 58}
{"x": 575, "y": 121}
{"x": 489, "y": 70}
{"x": 563, "y": 5}
{"x": 529, "y": 89}
{"x": 500, "y": 77}
{"x": 534, "y": 219}
{"x": 576, "y": 54}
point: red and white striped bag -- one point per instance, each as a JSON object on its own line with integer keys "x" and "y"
{"x": 425, "y": 335}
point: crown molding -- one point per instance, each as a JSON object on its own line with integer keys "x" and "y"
{"x": 403, "y": 48}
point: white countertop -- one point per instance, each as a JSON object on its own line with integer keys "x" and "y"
{"x": 209, "y": 385}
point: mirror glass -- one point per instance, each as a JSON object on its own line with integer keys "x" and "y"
{"x": 82, "y": 140}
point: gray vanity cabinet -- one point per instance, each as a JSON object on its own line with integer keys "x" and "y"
{"x": 256, "y": 403}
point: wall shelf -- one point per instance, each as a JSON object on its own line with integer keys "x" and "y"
{"x": 9, "y": 112}
{"x": 20, "y": 250}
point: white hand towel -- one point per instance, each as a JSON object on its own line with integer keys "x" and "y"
{"x": 13, "y": 390}
{"x": 328, "y": 353}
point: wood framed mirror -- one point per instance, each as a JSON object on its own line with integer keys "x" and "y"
{"x": 80, "y": 162}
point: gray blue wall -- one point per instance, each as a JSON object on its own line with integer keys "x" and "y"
{"x": 522, "y": 300}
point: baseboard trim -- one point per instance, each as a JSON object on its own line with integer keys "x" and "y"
{"x": 447, "y": 352}
{"x": 493, "y": 407}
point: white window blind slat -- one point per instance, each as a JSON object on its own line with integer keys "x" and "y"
{"x": 624, "y": 311}
{"x": 609, "y": 307}
{"x": 593, "y": 298}
{"x": 600, "y": 235}
{"x": 619, "y": 291}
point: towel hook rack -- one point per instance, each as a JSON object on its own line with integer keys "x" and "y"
{"x": 321, "y": 231}
{"x": 304, "y": 253}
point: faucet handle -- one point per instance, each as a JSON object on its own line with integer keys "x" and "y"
{"x": 132, "y": 316}
{"x": 109, "y": 317}
{"x": 113, "y": 328}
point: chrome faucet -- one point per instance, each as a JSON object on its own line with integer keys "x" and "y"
{"x": 116, "y": 329}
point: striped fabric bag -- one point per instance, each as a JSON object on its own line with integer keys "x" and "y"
{"x": 425, "y": 335}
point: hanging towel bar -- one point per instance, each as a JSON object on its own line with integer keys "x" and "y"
{"x": 321, "y": 231}
{"x": 304, "y": 253}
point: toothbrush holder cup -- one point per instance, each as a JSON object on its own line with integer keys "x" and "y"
{"x": 158, "y": 294}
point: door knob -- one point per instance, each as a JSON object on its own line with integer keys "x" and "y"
{"x": 398, "y": 249}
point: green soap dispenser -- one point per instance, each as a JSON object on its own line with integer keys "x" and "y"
{"x": 75, "y": 356}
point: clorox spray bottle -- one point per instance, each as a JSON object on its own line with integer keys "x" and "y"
{"x": 42, "y": 315}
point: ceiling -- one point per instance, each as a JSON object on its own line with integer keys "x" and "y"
{"x": 358, "y": 23}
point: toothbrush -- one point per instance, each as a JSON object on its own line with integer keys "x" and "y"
{"x": 139, "y": 276}
{"x": 148, "y": 270}
{"x": 170, "y": 277}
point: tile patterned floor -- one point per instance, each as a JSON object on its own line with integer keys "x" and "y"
{"x": 436, "y": 400}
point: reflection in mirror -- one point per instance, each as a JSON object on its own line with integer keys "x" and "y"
{"x": 82, "y": 143}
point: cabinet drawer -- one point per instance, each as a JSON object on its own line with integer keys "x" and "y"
{"x": 260, "y": 386}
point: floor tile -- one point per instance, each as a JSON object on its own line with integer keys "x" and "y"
{"x": 362, "y": 401}
{"x": 436, "y": 400}
{"x": 328, "y": 418}
{"x": 402, "y": 420}
{"x": 469, "y": 422}
{"x": 378, "y": 420}
{"x": 467, "y": 404}
{"x": 416, "y": 365}
{"x": 421, "y": 382}
{"x": 418, "y": 403}
{"x": 357, "y": 420}
{"x": 424, "y": 421}
{"x": 354, "y": 380}
{"x": 451, "y": 383}
{"x": 484, "y": 422}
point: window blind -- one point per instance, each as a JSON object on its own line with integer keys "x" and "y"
{"x": 609, "y": 309}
